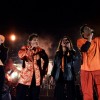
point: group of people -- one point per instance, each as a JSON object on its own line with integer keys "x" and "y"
{"x": 35, "y": 65}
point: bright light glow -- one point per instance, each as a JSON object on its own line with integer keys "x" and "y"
{"x": 13, "y": 37}
{"x": 14, "y": 75}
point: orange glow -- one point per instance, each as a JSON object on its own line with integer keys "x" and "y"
{"x": 13, "y": 37}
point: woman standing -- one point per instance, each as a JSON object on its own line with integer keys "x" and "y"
{"x": 63, "y": 70}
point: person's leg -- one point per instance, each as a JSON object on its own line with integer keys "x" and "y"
{"x": 87, "y": 85}
{"x": 97, "y": 83}
{"x": 2, "y": 78}
{"x": 34, "y": 91}
{"x": 70, "y": 90}
{"x": 21, "y": 92}
{"x": 59, "y": 91}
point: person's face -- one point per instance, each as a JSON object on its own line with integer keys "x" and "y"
{"x": 87, "y": 31}
{"x": 34, "y": 42}
{"x": 65, "y": 42}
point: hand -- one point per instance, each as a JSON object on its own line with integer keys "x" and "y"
{"x": 90, "y": 37}
{"x": 68, "y": 46}
{"x": 1, "y": 63}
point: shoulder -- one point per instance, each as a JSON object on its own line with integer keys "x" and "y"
{"x": 58, "y": 54}
{"x": 41, "y": 52}
{"x": 97, "y": 38}
{"x": 40, "y": 49}
{"x": 81, "y": 41}
{"x": 24, "y": 47}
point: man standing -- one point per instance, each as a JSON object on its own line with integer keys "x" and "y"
{"x": 33, "y": 70}
{"x": 90, "y": 67}
{"x": 3, "y": 57}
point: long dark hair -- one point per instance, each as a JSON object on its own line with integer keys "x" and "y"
{"x": 59, "y": 48}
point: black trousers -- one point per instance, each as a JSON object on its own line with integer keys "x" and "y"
{"x": 64, "y": 90}
{"x": 2, "y": 78}
{"x": 24, "y": 92}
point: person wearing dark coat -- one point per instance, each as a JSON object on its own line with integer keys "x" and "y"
{"x": 63, "y": 70}
{"x": 3, "y": 57}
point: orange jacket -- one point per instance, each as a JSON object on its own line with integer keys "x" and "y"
{"x": 91, "y": 58}
{"x": 32, "y": 65}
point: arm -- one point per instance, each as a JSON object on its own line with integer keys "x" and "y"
{"x": 22, "y": 53}
{"x": 44, "y": 56}
{"x": 85, "y": 46}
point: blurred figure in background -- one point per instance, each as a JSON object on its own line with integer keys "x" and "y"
{"x": 3, "y": 57}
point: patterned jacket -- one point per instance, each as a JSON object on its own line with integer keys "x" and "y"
{"x": 34, "y": 62}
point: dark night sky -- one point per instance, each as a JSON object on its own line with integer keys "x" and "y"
{"x": 28, "y": 16}
{"x": 47, "y": 17}
{"x": 50, "y": 20}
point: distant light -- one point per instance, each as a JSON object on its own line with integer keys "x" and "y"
{"x": 13, "y": 37}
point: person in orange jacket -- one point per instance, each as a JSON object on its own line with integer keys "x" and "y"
{"x": 33, "y": 72}
{"x": 89, "y": 47}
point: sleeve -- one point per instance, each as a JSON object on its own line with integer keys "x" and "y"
{"x": 73, "y": 55}
{"x": 22, "y": 53}
{"x": 83, "y": 45}
{"x": 44, "y": 56}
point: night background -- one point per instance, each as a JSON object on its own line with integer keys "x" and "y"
{"x": 51, "y": 20}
